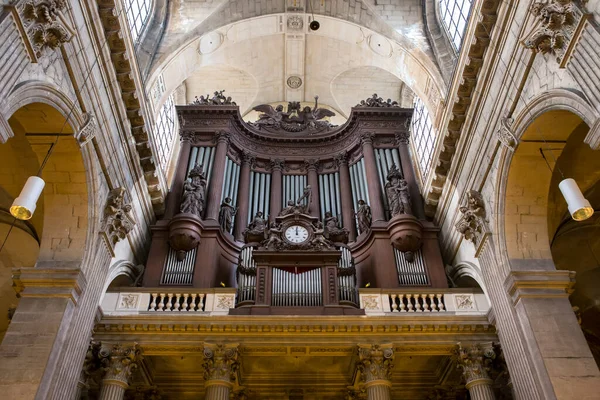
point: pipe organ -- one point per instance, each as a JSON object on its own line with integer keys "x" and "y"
{"x": 295, "y": 233}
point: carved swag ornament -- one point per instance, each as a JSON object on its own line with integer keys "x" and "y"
{"x": 46, "y": 24}
{"x": 375, "y": 362}
{"x": 117, "y": 221}
{"x": 472, "y": 222}
{"x": 295, "y": 119}
{"x": 557, "y": 21}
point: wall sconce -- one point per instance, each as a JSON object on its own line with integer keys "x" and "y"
{"x": 579, "y": 207}
{"x": 24, "y": 206}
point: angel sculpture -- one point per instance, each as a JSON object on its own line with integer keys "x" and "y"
{"x": 294, "y": 119}
{"x": 312, "y": 117}
{"x": 270, "y": 116}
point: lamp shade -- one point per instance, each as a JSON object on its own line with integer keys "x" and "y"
{"x": 579, "y": 207}
{"x": 24, "y": 205}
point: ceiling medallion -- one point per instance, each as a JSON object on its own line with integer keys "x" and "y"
{"x": 294, "y": 82}
{"x": 295, "y": 22}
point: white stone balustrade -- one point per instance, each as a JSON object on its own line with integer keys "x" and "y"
{"x": 424, "y": 301}
{"x": 130, "y": 301}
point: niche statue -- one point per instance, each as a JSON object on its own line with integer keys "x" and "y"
{"x": 396, "y": 190}
{"x": 226, "y": 214}
{"x": 194, "y": 192}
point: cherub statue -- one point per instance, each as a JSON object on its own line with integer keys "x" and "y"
{"x": 319, "y": 239}
{"x": 274, "y": 241}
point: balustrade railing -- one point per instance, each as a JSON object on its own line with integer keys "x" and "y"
{"x": 424, "y": 301}
{"x": 177, "y": 302}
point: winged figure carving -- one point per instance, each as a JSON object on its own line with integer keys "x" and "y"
{"x": 294, "y": 119}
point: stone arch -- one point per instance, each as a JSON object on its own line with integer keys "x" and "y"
{"x": 122, "y": 273}
{"x": 463, "y": 270}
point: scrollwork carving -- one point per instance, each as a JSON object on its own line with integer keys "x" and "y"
{"x": 472, "y": 222}
{"x": 117, "y": 221}
{"x": 47, "y": 26}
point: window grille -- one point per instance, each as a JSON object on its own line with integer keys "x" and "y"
{"x": 164, "y": 133}
{"x": 455, "y": 15}
{"x": 137, "y": 12}
{"x": 422, "y": 137}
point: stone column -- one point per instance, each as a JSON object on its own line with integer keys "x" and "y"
{"x": 346, "y": 196}
{"x": 122, "y": 360}
{"x": 403, "y": 140}
{"x": 174, "y": 197}
{"x": 276, "y": 183}
{"x": 217, "y": 176}
{"x": 312, "y": 178}
{"x": 241, "y": 218}
{"x": 375, "y": 366}
{"x": 220, "y": 368}
{"x": 474, "y": 360}
{"x": 373, "y": 186}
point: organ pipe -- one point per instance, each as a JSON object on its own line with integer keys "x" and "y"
{"x": 177, "y": 272}
{"x": 260, "y": 188}
{"x": 203, "y": 156}
{"x": 411, "y": 273}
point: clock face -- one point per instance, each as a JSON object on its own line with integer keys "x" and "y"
{"x": 296, "y": 234}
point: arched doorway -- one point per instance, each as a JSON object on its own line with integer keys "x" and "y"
{"x": 540, "y": 233}
{"x": 56, "y": 234}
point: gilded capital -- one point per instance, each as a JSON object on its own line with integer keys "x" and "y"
{"x": 475, "y": 361}
{"x": 120, "y": 361}
{"x": 375, "y": 362}
{"x": 220, "y": 362}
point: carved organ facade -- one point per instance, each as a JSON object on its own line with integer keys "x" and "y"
{"x": 293, "y": 211}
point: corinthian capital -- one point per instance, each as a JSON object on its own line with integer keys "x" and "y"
{"x": 366, "y": 137}
{"x": 475, "y": 361}
{"x": 375, "y": 362}
{"x": 220, "y": 362}
{"x": 223, "y": 137}
{"x": 276, "y": 164}
{"x": 120, "y": 361}
{"x": 311, "y": 164}
{"x": 247, "y": 158}
{"x": 341, "y": 158}
{"x": 402, "y": 137}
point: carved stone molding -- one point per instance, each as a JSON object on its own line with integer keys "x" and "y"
{"x": 46, "y": 25}
{"x": 375, "y": 362}
{"x": 475, "y": 362}
{"x": 220, "y": 362}
{"x": 557, "y": 22}
{"x": 539, "y": 284}
{"x": 472, "y": 223}
{"x": 117, "y": 221}
{"x": 505, "y": 134}
{"x": 120, "y": 361}
{"x": 87, "y": 131}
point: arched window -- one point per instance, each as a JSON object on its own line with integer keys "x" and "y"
{"x": 455, "y": 15}
{"x": 164, "y": 133}
{"x": 422, "y": 137}
{"x": 137, "y": 12}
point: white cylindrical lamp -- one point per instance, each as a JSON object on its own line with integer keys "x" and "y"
{"x": 24, "y": 206}
{"x": 579, "y": 207}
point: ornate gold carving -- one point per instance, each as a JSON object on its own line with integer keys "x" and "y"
{"x": 120, "y": 361}
{"x": 47, "y": 25}
{"x": 375, "y": 362}
{"x": 475, "y": 362}
{"x": 220, "y": 362}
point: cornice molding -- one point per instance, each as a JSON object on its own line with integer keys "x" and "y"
{"x": 539, "y": 284}
{"x": 49, "y": 282}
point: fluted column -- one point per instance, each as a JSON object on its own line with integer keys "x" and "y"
{"x": 174, "y": 200}
{"x": 375, "y": 364}
{"x": 402, "y": 140}
{"x": 475, "y": 360}
{"x": 122, "y": 361}
{"x": 346, "y": 196}
{"x": 220, "y": 367}
{"x": 373, "y": 188}
{"x": 276, "y": 182}
{"x": 241, "y": 217}
{"x": 218, "y": 176}
{"x": 312, "y": 178}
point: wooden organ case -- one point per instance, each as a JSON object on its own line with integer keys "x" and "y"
{"x": 294, "y": 212}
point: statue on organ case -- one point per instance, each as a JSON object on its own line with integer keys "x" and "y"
{"x": 396, "y": 190}
{"x": 194, "y": 192}
{"x": 226, "y": 214}
{"x": 257, "y": 226}
{"x": 364, "y": 216}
